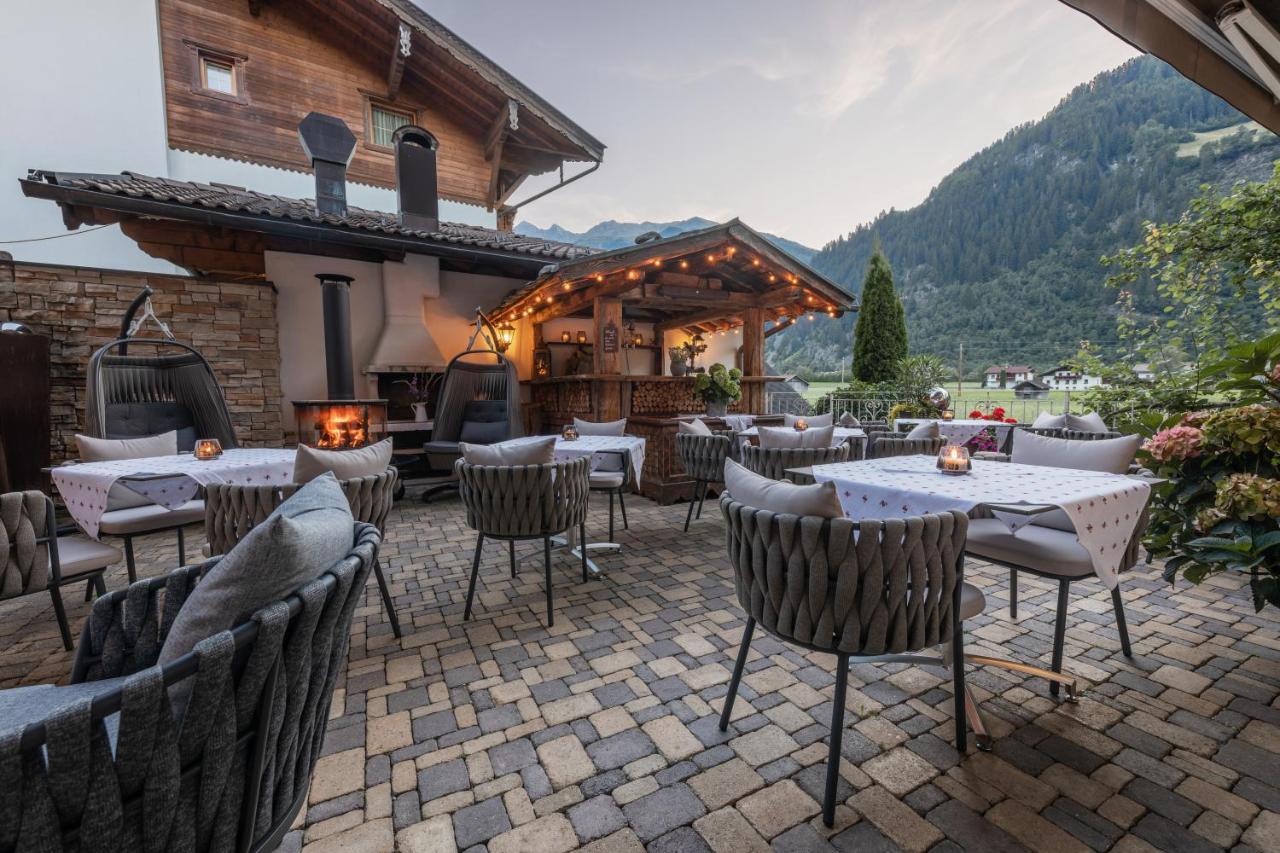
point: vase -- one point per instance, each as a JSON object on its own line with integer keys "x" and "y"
{"x": 679, "y": 368}
{"x": 419, "y": 412}
{"x": 717, "y": 409}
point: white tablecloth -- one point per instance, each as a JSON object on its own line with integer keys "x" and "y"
{"x": 599, "y": 447}
{"x": 84, "y": 487}
{"x": 840, "y": 434}
{"x": 1104, "y": 508}
{"x": 959, "y": 430}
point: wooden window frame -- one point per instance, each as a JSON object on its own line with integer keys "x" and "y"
{"x": 200, "y": 53}
{"x": 370, "y": 102}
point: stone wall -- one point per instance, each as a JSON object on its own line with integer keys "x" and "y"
{"x": 232, "y": 324}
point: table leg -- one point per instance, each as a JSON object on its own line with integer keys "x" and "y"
{"x": 569, "y": 541}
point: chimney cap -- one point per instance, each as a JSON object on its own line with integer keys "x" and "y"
{"x": 326, "y": 137}
{"x": 415, "y": 135}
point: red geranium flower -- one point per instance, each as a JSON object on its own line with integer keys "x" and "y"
{"x": 975, "y": 414}
{"x": 1011, "y": 420}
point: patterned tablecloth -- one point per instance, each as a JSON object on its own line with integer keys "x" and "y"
{"x": 959, "y": 430}
{"x": 84, "y": 487}
{"x": 840, "y": 434}
{"x": 1104, "y": 508}
{"x": 599, "y": 448}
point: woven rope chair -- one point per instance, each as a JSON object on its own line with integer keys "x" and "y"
{"x": 774, "y": 462}
{"x": 1048, "y": 432}
{"x": 703, "y": 458}
{"x": 118, "y": 772}
{"x": 521, "y": 502}
{"x": 883, "y": 446}
{"x": 1085, "y": 435}
{"x": 231, "y": 511}
{"x": 879, "y": 591}
{"x": 33, "y": 558}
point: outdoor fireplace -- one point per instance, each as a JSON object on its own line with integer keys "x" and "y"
{"x": 340, "y": 422}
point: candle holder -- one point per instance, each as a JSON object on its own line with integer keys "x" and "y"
{"x": 569, "y": 432}
{"x": 565, "y": 338}
{"x": 800, "y": 425}
{"x": 949, "y": 415}
{"x": 954, "y": 459}
{"x": 582, "y": 337}
{"x": 207, "y": 449}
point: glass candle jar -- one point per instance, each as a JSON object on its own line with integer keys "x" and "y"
{"x": 207, "y": 448}
{"x": 954, "y": 459}
{"x": 801, "y": 425}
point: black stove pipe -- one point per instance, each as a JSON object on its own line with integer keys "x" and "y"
{"x": 336, "y": 295}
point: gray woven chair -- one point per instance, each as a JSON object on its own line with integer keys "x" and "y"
{"x": 703, "y": 459}
{"x": 34, "y": 558}
{"x": 1085, "y": 435}
{"x": 231, "y": 511}
{"x": 521, "y": 502}
{"x": 883, "y": 446}
{"x": 1048, "y": 432}
{"x": 114, "y": 770}
{"x": 615, "y": 482}
{"x": 879, "y": 591}
{"x": 774, "y": 462}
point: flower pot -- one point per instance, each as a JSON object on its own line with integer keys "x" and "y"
{"x": 679, "y": 368}
{"x": 718, "y": 409}
{"x": 420, "y": 412}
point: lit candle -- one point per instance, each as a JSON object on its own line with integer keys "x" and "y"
{"x": 208, "y": 448}
{"x": 582, "y": 337}
{"x": 948, "y": 415}
{"x": 954, "y": 459}
{"x": 564, "y": 337}
{"x": 801, "y": 425}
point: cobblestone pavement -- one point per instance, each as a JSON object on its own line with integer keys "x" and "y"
{"x": 600, "y": 733}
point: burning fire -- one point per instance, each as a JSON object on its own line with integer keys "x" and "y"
{"x": 342, "y": 427}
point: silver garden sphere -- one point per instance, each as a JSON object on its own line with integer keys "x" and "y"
{"x": 940, "y": 399}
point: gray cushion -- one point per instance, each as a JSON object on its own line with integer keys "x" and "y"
{"x": 132, "y": 420}
{"x": 813, "y": 420}
{"x": 780, "y": 496}
{"x": 78, "y": 554}
{"x": 1112, "y": 455}
{"x": 600, "y": 427}
{"x": 925, "y": 429}
{"x": 483, "y": 432}
{"x": 848, "y": 420}
{"x": 523, "y": 452}
{"x": 140, "y": 519}
{"x": 1048, "y": 420}
{"x": 143, "y": 447}
{"x": 1088, "y": 422}
{"x": 693, "y": 427}
{"x": 1054, "y": 552}
{"x": 299, "y": 541}
{"x": 368, "y": 461}
{"x": 787, "y": 437}
{"x": 607, "y": 479}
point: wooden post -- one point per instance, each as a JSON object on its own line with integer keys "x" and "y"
{"x": 607, "y": 313}
{"x": 753, "y": 359}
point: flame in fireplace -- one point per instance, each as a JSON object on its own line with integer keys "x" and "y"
{"x": 342, "y": 427}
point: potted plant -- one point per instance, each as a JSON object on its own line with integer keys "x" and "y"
{"x": 679, "y": 361}
{"x": 718, "y": 387}
{"x": 418, "y": 391}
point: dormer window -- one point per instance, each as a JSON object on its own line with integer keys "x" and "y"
{"x": 383, "y": 121}
{"x": 217, "y": 73}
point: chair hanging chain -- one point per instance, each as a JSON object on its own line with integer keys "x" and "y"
{"x": 149, "y": 311}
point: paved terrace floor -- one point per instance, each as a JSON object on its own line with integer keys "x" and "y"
{"x": 601, "y": 733}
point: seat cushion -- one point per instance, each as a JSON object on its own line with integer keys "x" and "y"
{"x": 925, "y": 429}
{"x": 788, "y": 437}
{"x": 1112, "y": 455}
{"x": 607, "y": 479}
{"x": 780, "y": 496}
{"x": 484, "y": 432}
{"x": 368, "y": 461}
{"x": 539, "y": 451}
{"x": 1044, "y": 549}
{"x": 302, "y": 538}
{"x": 142, "y": 519}
{"x": 79, "y": 554}
{"x": 693, "y": 427}
{"x": 1088, "y": 422}
{"x": 134, "y": 420}
{"x": 1048, "y": 420}
{"x": 442, "y": 447}
{"x": 972, "y": 601}
{"x": 812, "y": 420}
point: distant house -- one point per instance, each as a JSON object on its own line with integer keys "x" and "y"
{"x": 1144, "y": 373}
{"x": 1068, "y": 379}
{"x": 1004, "y": 375}
{"x": 1030, "y": 389}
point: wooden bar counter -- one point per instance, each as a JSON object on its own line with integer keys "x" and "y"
{"x": 652, "y": 405}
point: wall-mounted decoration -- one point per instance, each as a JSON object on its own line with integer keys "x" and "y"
{"x": 609, "y": 337}
{"x": 542, "y": 362}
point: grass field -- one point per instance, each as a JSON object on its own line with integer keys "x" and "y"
{"x": 972, "y": 393}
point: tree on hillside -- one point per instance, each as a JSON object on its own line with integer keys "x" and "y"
{"x": 880, "y": 337}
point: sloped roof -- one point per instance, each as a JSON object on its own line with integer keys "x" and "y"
{"x": 172, "y": 197}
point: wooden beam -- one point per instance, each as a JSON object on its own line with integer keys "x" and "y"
{"x": 577, "y": 300}
{"x": 506, "y": 121}
{"x": 701, "y": 317}
{"x": 753, "y": 358}
{"x": 778, "y": 326}
{"x": 399, "y": 53}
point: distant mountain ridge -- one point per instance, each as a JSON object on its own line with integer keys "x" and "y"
{"x": 612, "y": 234}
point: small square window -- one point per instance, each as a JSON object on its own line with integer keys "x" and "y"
{"x": 384, "y": 122}
{"x": 218, "y": 75}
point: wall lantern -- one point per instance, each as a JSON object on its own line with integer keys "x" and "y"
{"x": 506, "y": 335}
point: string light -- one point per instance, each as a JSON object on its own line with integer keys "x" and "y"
{"x": 711, "y": 259}
{"x": 684, "y": 265}
{"x": 657, "y": 262}
{"x": 755, "y": 262}
{"x": 599, "y": 277}
{"x": 566, "y": 285}
{"x": 772, "y": 277}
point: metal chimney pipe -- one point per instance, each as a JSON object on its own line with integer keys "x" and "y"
{"x": 336, "y": 295}
{"x": 329, "y": 144}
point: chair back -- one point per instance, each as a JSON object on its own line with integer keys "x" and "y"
{"x": 856, "y": 587}
{"x": 521, "y": 501}
{"x": 26, "y": 530}
{"x": 1085, "y": 435}
{"x": 231, "y": 511}
{"x": 1049, "y": 432}
{"x": 773, "y": 462}
{"x": 471, "y": 376}
{"x": 233, "y": 772}
{"x": 883, "y": 446}
{"x": 703, "y": 455}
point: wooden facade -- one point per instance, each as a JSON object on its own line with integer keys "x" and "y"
{"x": 343, "y": 57}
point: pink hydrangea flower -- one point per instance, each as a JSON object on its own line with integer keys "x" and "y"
{"x": 1175, "y": 444}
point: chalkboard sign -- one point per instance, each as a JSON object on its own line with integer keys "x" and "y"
{"x": 609, "y": 338}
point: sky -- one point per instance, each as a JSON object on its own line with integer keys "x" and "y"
{"x": 803, "y": 118}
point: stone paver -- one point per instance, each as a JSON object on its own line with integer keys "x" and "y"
{"x": 601, "y": 734}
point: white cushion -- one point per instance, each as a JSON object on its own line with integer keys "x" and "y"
{"x": 77, "y": 554}
{"x": 141, "y": 519}
{"x": 693, "y": 427}
{"x": 788, "y": 437}
{"x": 926, "y": 429}
{"x": 1089, "y": 422}
{"x": 1054, "y": 552}
{"x": 1112, "y": 455}
{"x": 848, "y": 420}
{"x": 311, "y": 462}
{"x": 1048, "y": 420}
{"x": 780, "y": 496}
{"x": 813, "y": 420}
{"x": 112, "y": 449}
{"x": 600, "y": 427}
{"x": 606, "y": 479}
{"x": 540, "y": 451}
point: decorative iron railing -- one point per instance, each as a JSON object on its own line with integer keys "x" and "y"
{"x": 877, "y": 407}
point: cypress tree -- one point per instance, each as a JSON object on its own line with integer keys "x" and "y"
{"x": 880, "y": 336}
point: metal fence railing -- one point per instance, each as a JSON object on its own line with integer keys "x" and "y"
{"x": 877, "y": 408}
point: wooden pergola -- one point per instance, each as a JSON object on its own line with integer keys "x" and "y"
{"x": 704, "y": 281}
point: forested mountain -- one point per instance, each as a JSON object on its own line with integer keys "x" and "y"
{"x": 616, "y": 235}
{"x": 1003, "y": 254}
